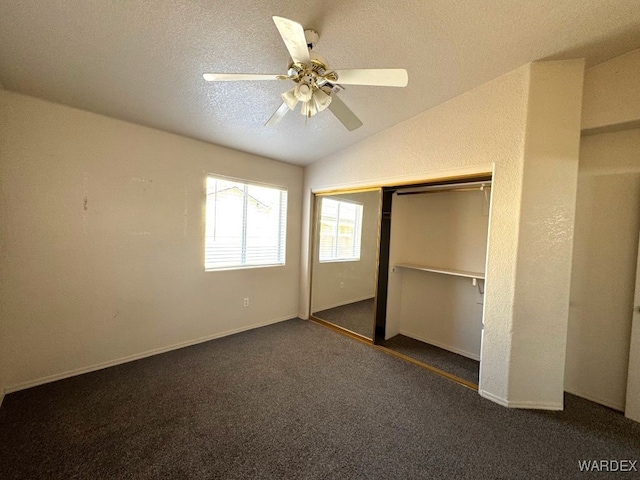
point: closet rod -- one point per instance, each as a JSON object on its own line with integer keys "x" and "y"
{"x": 460, "y": 187}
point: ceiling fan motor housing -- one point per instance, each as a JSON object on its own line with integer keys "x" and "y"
{"x": 317, "y": 74}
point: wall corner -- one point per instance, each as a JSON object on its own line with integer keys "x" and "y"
{"x": 545, "y": 240}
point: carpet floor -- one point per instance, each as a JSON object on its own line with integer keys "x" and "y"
{"x": 447, "y": 361}
{"x": 293, "y": 400}
{"x": 356, "y": 317}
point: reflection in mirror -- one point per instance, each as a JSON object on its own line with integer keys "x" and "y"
{"x": 345, "y": 260}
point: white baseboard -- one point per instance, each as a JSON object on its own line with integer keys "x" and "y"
{"x": 537, "y": 405}
{"x": 527, "y": 405}
{"x": 493, "y": 398}
{"x": 344, "y": 302}
{"x": 459, "y": 351}
{"x": 591, "y": 398}
{"x": 137, "y": 356}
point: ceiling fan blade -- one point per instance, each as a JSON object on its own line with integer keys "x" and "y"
{"x": 233, "y": 77}
{"x": 382, "y": 77}
{"x": 344, "y": 113}
{"x": 278, "y": 115}
{"x": 293, "y": 35}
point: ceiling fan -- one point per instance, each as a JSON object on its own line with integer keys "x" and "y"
{"x": 316, "y": 84}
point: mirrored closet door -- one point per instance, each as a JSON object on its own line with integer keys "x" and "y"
{"x": 345, "y": 260}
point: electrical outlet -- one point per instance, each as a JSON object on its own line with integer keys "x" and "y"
{"x": 341, "y": 284}
{"x": 246, "y": 301}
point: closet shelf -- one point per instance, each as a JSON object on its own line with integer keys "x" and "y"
{"x": 444, "y": 271}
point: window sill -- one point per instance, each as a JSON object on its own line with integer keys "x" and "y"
{"x": 340, "y": 260}
{"x": 243, "y": 267}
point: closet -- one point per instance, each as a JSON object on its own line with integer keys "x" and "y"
{"x": 435, "y": 287}
{"x": 412, "y": 281}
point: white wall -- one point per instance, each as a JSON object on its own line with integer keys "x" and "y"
{"x": 545, "y": 243}
{"x": 340, "y": 283}
{"x": 499, "y": 125}
{"x": 445, "y": 230}
{"x": 607, "y": 223}
{"x": 604, "y": 267}
{"x": 102, "y": 243}
{"x": 612, "y": 94}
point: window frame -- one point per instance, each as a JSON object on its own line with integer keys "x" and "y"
{"x": 282, "y": 223}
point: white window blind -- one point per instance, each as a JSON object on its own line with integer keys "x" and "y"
{"x": 340, "y": 230}
{"x": 246, "y": 224}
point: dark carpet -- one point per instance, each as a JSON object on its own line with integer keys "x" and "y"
{"x": 357, "y": 317}
{"x": 445, "y": 360}
{"x": 292, "y": 401}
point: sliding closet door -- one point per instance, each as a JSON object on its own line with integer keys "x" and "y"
{"x": 345, "y": 260}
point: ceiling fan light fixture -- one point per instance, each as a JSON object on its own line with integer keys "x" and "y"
{"x": 290, "y": 98}
{"x": 308, "y": 109}
{"x": 303, "y": 92}
{"x": 321, "y": 100}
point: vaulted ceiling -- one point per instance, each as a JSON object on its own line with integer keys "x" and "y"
{"x": 142, "y": 60}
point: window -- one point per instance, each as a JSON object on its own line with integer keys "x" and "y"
{"x": 245, "y": 224}
{"x": 340, "y": 230}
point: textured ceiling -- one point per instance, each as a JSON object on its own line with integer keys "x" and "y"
{"x": 142, "y": 60}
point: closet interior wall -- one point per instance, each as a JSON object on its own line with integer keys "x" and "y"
{"x": 445, "y": 230}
